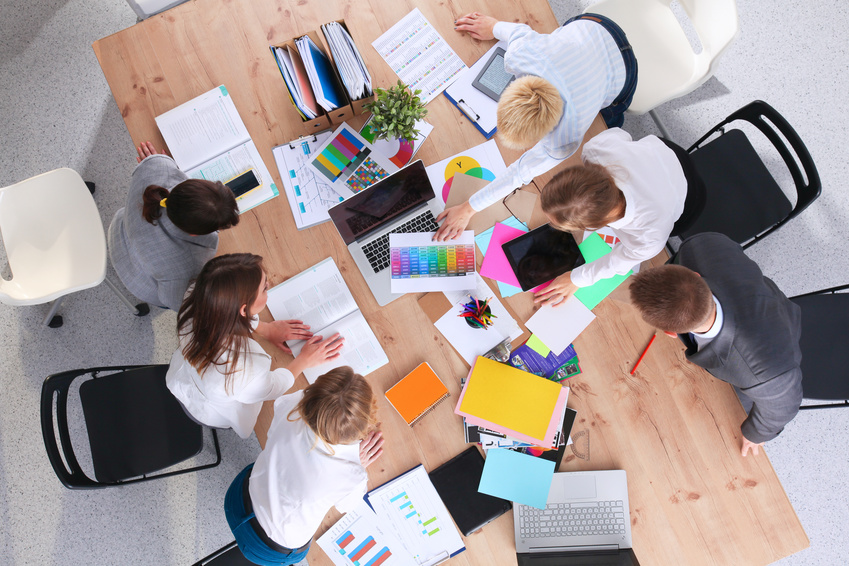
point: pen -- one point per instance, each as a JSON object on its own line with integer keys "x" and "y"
{"x": 644, "y": 353}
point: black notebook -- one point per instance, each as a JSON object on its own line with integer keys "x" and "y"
{"x": 457, "y": 482}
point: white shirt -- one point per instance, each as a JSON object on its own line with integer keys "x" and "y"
{"x": 584, "y": 63}
{"x": 205, "y": 397}
{"x": 650, "y": 176}
{"x": 706, "y": 337}
{"x": 296, "y": 479}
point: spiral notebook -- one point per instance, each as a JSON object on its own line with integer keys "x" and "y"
{"x": 417, "y": 393}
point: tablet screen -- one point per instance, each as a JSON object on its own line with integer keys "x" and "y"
{"x": 541, "y": 255}
{"x": 494, "y": 78}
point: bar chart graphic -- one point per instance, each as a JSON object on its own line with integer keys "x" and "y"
{"x": 427, "y": 525}
{"x": 357, "y": 540}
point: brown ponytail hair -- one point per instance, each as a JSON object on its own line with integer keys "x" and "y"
{"x": 339, "y": 407}
{"x": 582, "y": 197}
{"x": 195, "y": 206}
{"x": 211, "y": 313}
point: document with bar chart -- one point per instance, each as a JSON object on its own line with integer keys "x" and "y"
{"x": 411, "y": 507}
{"x": 358, "y": 539}
{"x": 417, "y": 264}
{"x": 349, "y": 163}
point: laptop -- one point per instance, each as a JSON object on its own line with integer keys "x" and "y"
{"x": 402, "y": 202}
{"x": 586, "y": 522}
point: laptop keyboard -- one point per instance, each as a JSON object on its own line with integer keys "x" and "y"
{"x": 377, "y": 251}
{"x": 572, "y": 519}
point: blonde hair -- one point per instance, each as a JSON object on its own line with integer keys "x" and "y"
{"x": 339, "y": 407}
{"x": 528, "y": 109}
{"x": 672, "y": 298}
{"x": 582, "y": 197}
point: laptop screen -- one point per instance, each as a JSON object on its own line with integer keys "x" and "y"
{"x": 382, "y": 202}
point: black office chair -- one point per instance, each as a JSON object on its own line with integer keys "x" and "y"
{"x": 742, "y": 199}
{"x": 825, "y": 346}
{"x": 229, "y": 555}
{"x": 135, "y": 427}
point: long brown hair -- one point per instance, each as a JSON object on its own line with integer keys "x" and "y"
{"x": 195, "y": 206}
{"x": 582, "y": 197}
{"x": 211, "y": 314}
{"x": 339, "y": 407}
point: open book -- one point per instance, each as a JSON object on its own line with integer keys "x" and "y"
{"x": 208, "y": 140}
{"x": 320, "y": 298}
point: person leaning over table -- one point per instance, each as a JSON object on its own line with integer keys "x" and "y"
{"x": 168, "y": 230}
{"x": 736, "y": 324}
{"x": 219, "y": 373}
{"x": 564, "y": 79}
{"x": 319, "y": 445}
{"x": 637, "y": 188}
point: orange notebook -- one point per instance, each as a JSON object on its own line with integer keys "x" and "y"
{"x": 417, "y": 393}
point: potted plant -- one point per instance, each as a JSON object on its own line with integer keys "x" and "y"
{"x": 395, "y": 112}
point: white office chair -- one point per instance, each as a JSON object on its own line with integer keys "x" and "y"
{"x": 147, "y": 8}
{"x": 54, "y": 242}
{"x": 668, "y": 66}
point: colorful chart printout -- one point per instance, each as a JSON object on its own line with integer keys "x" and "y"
{"x": 344, "y": 153}
{"x": 418, "y": 264}
{"x": 367, "y": 174}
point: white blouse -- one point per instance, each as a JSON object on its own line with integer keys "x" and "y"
{"x": 296, "y": 479}
{"x": 650, "y": 176}
{"x": 205, "y": 397}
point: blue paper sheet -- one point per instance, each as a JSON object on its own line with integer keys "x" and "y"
{"x": 517, "y": 477}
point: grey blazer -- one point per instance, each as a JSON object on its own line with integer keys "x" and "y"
{"x": 757, "y": 348}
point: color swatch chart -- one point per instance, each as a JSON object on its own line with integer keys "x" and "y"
{"x": 367, "y": 174}
{"x": 343, "y": 154}
{"x": 432, "y": 261}
{"x": 357, "y": 539}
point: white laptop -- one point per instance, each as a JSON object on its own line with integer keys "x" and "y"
{"x": 402, "y": 202}
{"x": 585, "y": 522}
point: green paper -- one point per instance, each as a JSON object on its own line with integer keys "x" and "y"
{"x": 537, "y": 346}
{"x": 593, "y": 248}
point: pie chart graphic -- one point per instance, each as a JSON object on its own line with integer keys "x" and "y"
{"x": 468, "y": 166}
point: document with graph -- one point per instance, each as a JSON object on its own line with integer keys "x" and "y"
{"x": 359, "y": 538}
{"x": 208, "y": 140}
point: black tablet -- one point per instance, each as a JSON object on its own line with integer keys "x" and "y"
{"x": 541, "y": 255}
{"x": 493, "y": 79}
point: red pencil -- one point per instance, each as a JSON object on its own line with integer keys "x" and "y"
{"x": 644, "y": 353}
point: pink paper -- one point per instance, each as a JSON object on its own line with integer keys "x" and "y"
{"x": 495, "y": 264}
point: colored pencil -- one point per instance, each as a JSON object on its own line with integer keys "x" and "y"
{"x": 643, "y": 354}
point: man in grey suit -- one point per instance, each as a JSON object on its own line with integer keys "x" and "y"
{"x": 736, "y": 324}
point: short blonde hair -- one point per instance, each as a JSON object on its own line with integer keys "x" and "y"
{"x": 672, "y": 298}
{"x": 581, "y": 197}
{"x": 528, "y": 109}
{"x": 339, "y": 407}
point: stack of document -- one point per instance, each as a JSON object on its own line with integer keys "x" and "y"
{"x": 349, "y": 62}
{"x": 326, "y": 89}
{"x": 297, "y": 83}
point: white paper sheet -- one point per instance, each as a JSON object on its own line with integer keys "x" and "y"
{"x": 558, "y": 326}
{"x": 352, "y": 535}
{"x": 419, "y": 55}
{"x": 483, "y": 161}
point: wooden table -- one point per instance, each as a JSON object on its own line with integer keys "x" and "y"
{"x": 675, "y": 429}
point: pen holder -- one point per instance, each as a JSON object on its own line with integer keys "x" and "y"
{"x": 478, "y": 314}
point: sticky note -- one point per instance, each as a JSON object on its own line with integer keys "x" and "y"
{"x": 535, "y": 344}
{"x": 517, "y": 477}
{"x": 593, "y": 248}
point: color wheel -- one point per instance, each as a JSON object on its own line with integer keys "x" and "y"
{"x": 468, "y": 166}
{"x": 399, "y": 151}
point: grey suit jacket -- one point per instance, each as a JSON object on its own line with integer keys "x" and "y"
{"x": 757, "y": 348}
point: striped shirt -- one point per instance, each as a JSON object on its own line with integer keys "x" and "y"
{"x": 584, "y": 63}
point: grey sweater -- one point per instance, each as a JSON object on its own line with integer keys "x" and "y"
{"x": 156, "y": 262}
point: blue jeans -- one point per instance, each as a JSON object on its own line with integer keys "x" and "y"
{"x": 614, "y": 115}
{"x": 248, "y": 540}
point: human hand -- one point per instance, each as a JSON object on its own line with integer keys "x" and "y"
{"x": 278, "y": 331}
{"x": 748, "y": 444}
{"x": 146, "y": 149}
{"x": 478, "y": 25}
{"x": 317, "y": 351}
{"x": 370, "y": 447}
{"x": 456, "y": 220}
{"x": 557, "y": 291}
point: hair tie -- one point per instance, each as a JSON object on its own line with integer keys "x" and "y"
{"x": 162, "y": 202}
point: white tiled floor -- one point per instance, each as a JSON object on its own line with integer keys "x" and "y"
{"x": 57, "y": 111}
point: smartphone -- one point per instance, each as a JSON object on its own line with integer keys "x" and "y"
{"x": 244, "y": 183}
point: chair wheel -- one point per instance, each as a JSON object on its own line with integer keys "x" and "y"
{"x": 143, "y": 308}
{"x": 55, "y": 322}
